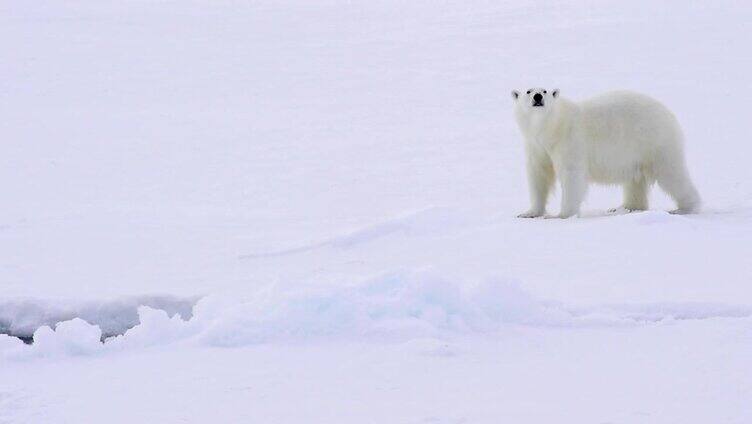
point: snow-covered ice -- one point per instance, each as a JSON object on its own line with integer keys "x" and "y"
{"x": 300, "y": 211}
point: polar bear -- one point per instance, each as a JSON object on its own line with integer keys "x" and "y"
{"x": 616, "y": 138}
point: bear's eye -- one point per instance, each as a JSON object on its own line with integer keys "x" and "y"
{"x": 544, "y": 91}
{"x": 528, "y": 91}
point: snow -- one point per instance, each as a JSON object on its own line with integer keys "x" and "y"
{"x": 391, "y": 308}
{"x": 21, "y": 317}
{"x": 650, "y": 374}
{"x": 216, "y": 211}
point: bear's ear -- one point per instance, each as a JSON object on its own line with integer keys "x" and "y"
{"x": 555, "y": 93}
{"x": 515, "y": 94}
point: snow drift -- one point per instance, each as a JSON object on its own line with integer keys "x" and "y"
{"x": 397, "y": 306}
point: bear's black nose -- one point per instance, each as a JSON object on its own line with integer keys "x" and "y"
{"x": 538, "y": 97}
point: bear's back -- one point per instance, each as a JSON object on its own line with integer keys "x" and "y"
{"x": 623, "y": 132}
{"x": 629, "y": 117}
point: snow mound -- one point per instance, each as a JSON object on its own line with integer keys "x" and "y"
{"x": 397, "y": 305}
{"x": 70, "y": 338}
{"x": 420, "y": 308}
{"x": 155, "y": 327}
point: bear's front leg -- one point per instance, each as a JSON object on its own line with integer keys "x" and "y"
{"x": 532, "y": 213}
{"x": 540, "y": 178}
{"x": 573, "y": 189}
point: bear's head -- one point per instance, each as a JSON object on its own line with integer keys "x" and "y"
{"x": 535, "y": 100}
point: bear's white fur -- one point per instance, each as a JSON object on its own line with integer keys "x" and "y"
{"x": 616, "y": 138}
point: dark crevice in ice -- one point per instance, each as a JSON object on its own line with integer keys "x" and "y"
{"x": 20, "y": 318}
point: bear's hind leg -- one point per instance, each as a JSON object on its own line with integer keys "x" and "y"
{"x": 635, "y": 196}
{"x": 675, "y": 181}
